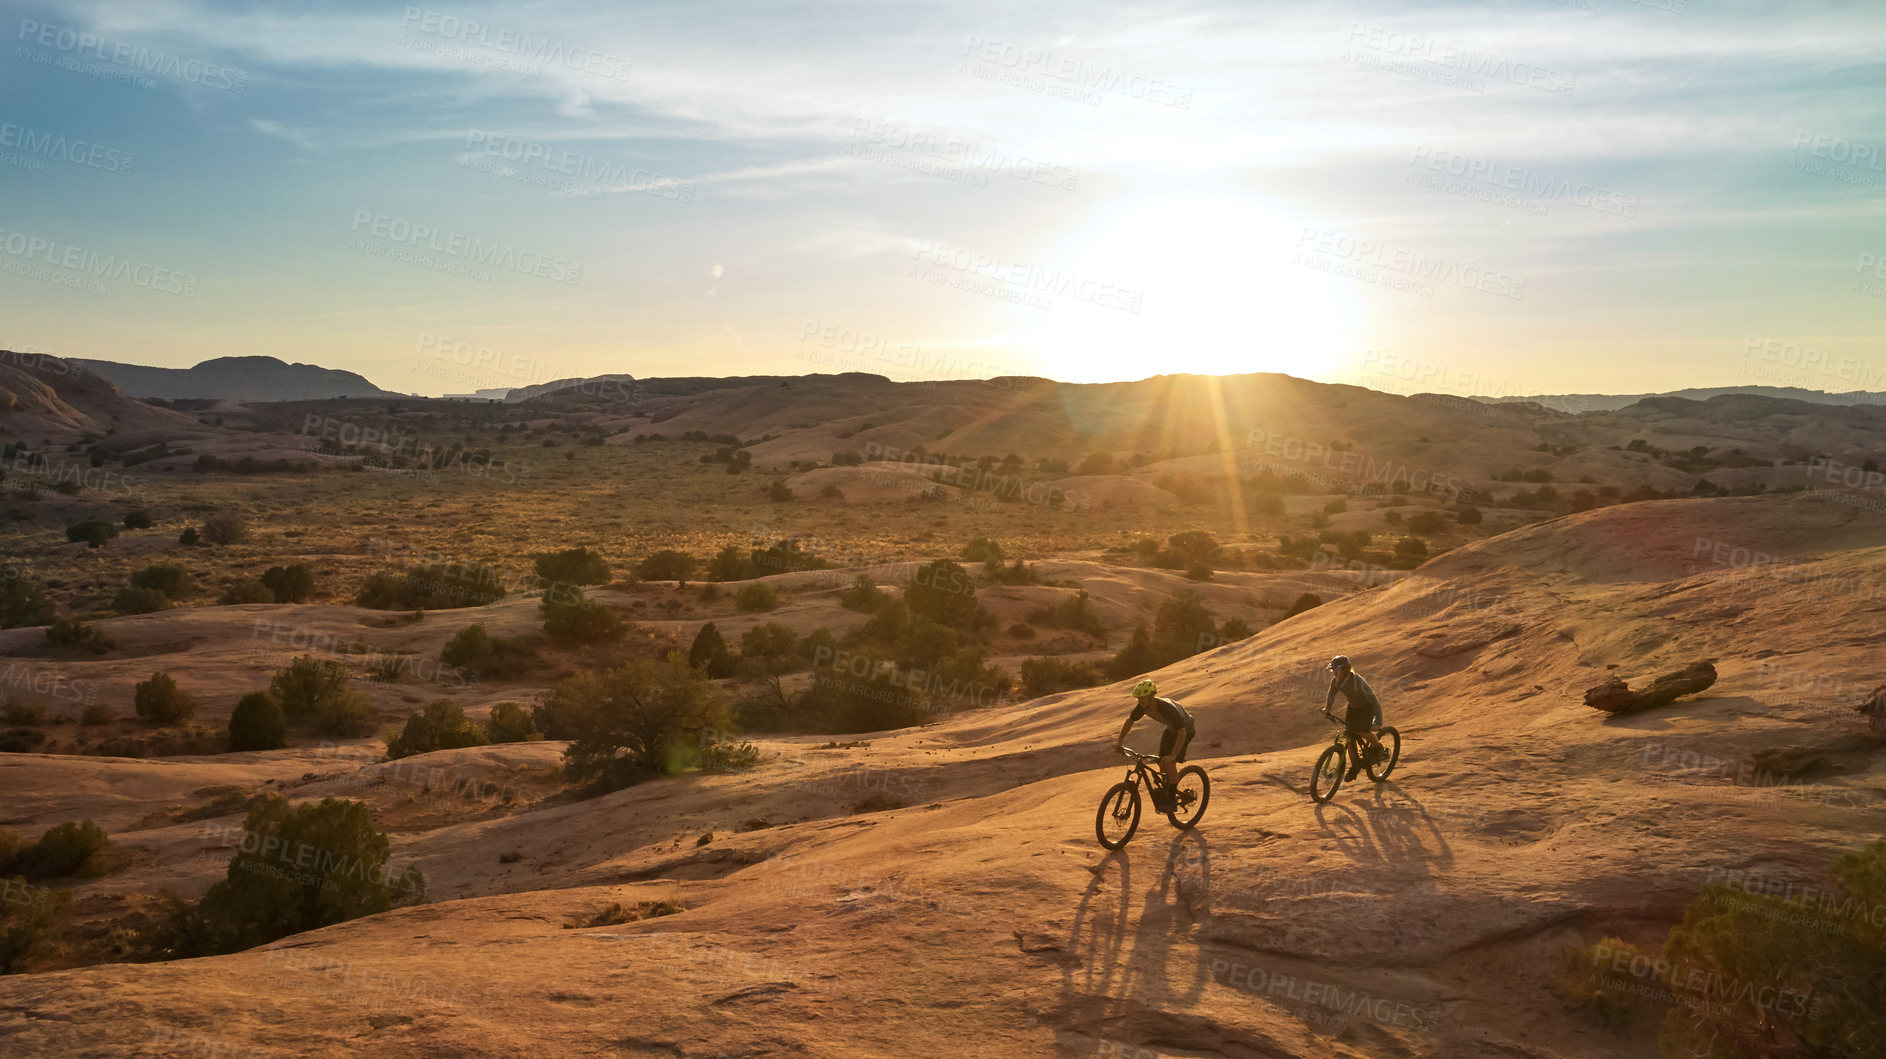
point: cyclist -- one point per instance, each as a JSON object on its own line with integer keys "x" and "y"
{"x": 1364, "y": 716}
{"x": 1179, "y": 728}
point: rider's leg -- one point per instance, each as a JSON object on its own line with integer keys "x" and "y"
{"x": 1168, "y": 757}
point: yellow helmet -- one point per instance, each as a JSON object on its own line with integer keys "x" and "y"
{"x": 1145, "y": 688}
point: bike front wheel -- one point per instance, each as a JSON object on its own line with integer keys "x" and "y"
{"x": 1328, "y": 775}
{"x": 1391, "y": 745}
{"x": 1191, "y": 793}
{"x": 1119, "y": 815}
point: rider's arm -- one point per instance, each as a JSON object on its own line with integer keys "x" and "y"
{"x": 1330, "y": 699}
{"x": 1125, "y": 728}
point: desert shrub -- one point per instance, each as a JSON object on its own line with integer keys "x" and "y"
{"x": 169, "y": 578}
{"x": 573, "y": 566}
{"x": 1306, "y": 601}
{"x": 442, "y": 725}
{"x": 32, "y": 922}
{"x": 475, "y": 649}
{"x": 575, "y": 618}
{"x": 188, "y": 537}
{"x": 768, "y": 640}
{"x": 1411, "y": 550}
{"x": 316, "y": 691}
{"x": 666, "y": 565}
{"x": 298, "y": 868}
{"x": 160, "y": 701}
{"x": 723, "y": 756}
{"x": 1770, "y": 975}
{"x": 290, "y": 584}
{"x": 438, "y": 586}
{"x": 1045, "y": 676}
{"x": 1190, "y": 548}
{"x": 131, "y": 600}
{"x": 1199, "y": 572}
{"x": 21, "y": 740}
{"x": 982, "y": 550}
{"x": 137, "y": 520}
{"x": 23, "y": 601}
{"x": 1588, "y": 986}
{"x": 838, "y": 701}
{"x": 783, "y": 557}
{"x": 756, "y": 596}
{"x": 626, "y": 723}
{"x": 863, "y": 595}
{"x": 97, "y": 713}
{"x": 247, "y": 590}
{"x": 847, "y": 458}
{"x": 16, "y": 712}
{"x": 258, "y": 723}
{"x": 74, "y": 848}
{"x": 1021, "y": 630}
{"x": 709, "y": 653}
{"x": 1468, "y": 515}
{"x": 1076, "y": 612}
{"x": 225, "y": 527}
{"x": 1336, "y": 507}
{"x": 1016, "y": 573}
{"x": 94, "y": 532}
{"x": 731, "y": 563}
{"x": 511, "y": 723}
{"x": 1426, "y": 522}
{"x": 945, "y": 593}
{"x": 779, "y": 492}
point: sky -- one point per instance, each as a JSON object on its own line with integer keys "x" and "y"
{"x": 1488, "y": 199}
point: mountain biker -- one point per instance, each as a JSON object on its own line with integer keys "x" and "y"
{"x": 1364, "y": 716}
{"x": 1179, "y": 728}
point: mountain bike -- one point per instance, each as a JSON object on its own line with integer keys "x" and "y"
{"x": 1183, "y": 802}
{"x": 1346, "y": 750}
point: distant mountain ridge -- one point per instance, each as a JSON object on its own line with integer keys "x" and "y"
{"x": 237, "y": 379}
{"x": 1607, "y": 402}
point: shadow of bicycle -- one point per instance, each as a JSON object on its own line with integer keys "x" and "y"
{"x": 1386, "y": 824}
{"x": 1115, "y": 956}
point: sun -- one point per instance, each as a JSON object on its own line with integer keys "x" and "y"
{"x": 1216, "y": 294}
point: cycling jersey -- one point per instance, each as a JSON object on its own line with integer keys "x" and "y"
{"x": 1362, "y": 701}
{"x": 1166, "y": 712}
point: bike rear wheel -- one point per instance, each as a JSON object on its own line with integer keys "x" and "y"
{"x": 1391, "y": 743}
{"x": 1192, "y": 781}
{"x": 1327, "y": 776}
{"x": 1119, "y": 815}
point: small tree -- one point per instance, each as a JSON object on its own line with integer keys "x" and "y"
{"x": 130, "y": 600}
{"x": 1468, "y": 515}
{"x": 225, "y": 527}
{"x": 768, "y": 640}
{"x": 982, "y": 550}
{"x": 756, "y": 596}
{"x": 779, "y": 492}
{"x": 732, "y": 563}
{"x": 572, "y": 566}
{"x": 137, "y": 520}
{"x": 1426, "y": 522}
{"x": 510, "y": 723}
{"x": 258, "y": 723}
{"x": 666, "y": 565}
{"x": 442, "y": 725}
{"x": 945, "y": 593}
{"x": 247, "y": 590}
{"x": 1307, "y": 601}
{"x": 575, "y": 618}
{"x": 171, "y": 579}
{"x": 93, "y": 532}
{"x": 74, "y": 848}
{"x": 626, "y": 723}
{"x": 863, "y": 595}
{"x": 160, "y": 701}
{"x": 709, "y": 653}
{"x": 290, "y": 584}
{"x": 316, "y": 690}
{"x": 188, "y": 537}
{"x": 24, "y": 601}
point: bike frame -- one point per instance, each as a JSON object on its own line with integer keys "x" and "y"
{"x": 1141, "y": 772}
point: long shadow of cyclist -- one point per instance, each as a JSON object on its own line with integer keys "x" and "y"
{"x": 1104, "y": 966}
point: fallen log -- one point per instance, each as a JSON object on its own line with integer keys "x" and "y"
{"x": 1615, "y": 696}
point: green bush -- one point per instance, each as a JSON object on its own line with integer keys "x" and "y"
{"x": 258, "y": 723}
{"x": 768, "y": 640}
{"x": 21, "y": 740}
{"x": 316, "y": 691}
{"x": 188, "y": 536}
{"x": 574, "y": 618}
{"x": 160, "y": 701}
{"x": 1306, "y": 601}
{"x": 666, "y": 565}
{"x": 475, "y": 649}
{"x": 982, "y": 550}
{"x": 945, "y": 593}
{"x": 70, "y": 632}
{"x": 572, "y": 566}
{"x": 1590, "y": 988}
{"x": 439, "y": 586}
{"x": 94, "y": 532}
{"x": 23, "y": 601}
{"x": 1468, "y": 515}
{"x": 290, "y": 584}
{"x": 74, "y": 848}
{"x": 625, "y": 723}
{"x": 225, "y": 527}
{"x": 16, "y": 712}
{"x": 33, "y": 921}
{"x": 1076, "y": 612}
{"x": 510, "y": 723}
{"x": 1426, "y": 522}
{"x": 864, "y": 595}
{"x": 1045, "y": 676}
{"x": 247, "y": 590}
{"x": 169, "y": 578}
{"x": 731, "y": 563}
{"x": 137, "y": 520}
{"x": 298, "y": 868}
{"x": 442, "y": 725}
{"x": 779, "y": 492}
{"x": 756, "y": 596}
{"x": 130, "y": 600}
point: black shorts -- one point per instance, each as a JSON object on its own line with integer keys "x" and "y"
{"x": 1171, "y": 739}
{"x": 1360, "y": 718}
